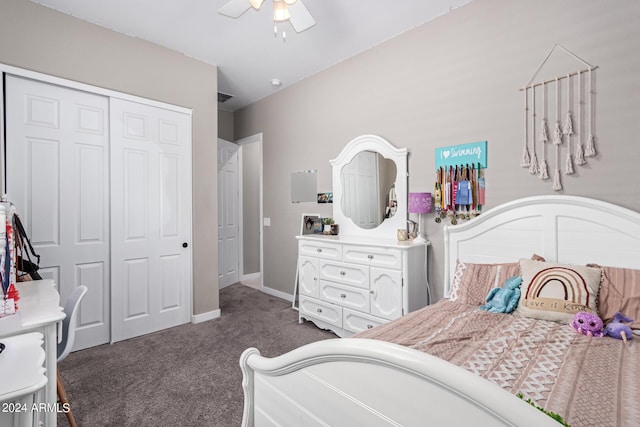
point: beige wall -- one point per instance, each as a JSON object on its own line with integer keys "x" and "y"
{"x": 40, "y": 39}
{"x": 225, "y": 125}
{"x": 451, "y": 81}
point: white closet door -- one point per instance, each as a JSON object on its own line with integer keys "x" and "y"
{"x": 151, "y": 220}
{"x": 57, "y": 176}
{"x": 228, "y": 207}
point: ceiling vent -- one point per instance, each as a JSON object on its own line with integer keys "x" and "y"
{"x": 222, "y": 97}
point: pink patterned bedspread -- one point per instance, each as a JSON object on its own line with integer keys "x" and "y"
{"x": 588, "y": 381}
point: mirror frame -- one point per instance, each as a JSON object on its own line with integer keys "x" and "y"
{"x": 388, "y": 228}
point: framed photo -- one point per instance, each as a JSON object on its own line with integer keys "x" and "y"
{"x": 325, "y": 197}
{"x": 311, "y": 224}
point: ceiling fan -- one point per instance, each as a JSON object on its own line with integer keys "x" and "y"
{"x": 283, "y": 10}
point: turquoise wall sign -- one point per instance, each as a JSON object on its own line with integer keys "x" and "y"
{"x": 472, "y": 153}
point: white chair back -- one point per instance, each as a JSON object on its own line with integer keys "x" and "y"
{"x": 69, "y": 322}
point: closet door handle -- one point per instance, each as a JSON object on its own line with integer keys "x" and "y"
{"x": 343, "y": 273}
{"x": 185, "y": 244}
{"x": 343, "y": 296}
{"x": 318, "y": 250}
{"x": 369, "y": 326}
{"x": 319, "y": 310}
{"x": 370, "y": 256}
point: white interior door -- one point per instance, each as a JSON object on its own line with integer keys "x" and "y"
{"x": 228, "y": 218}
{"x": 151, "y": 218}
{"x": 57, "y": 176}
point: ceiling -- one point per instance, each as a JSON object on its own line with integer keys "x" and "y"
{"x": 245, "y": 50}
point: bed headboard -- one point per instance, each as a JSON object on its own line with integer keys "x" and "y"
{"x": 565, "y": 229}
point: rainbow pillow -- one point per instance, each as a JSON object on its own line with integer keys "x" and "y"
{"x": 557, "y": 291}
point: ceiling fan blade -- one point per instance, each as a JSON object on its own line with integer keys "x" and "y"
{"x": 301, "y": 19}
{"x": 234, "y": 8}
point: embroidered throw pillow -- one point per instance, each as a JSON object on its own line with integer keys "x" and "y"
{"x": 471, "y": 282}
{"x": 619, "y": 292}
{"x": 557, "y": 291}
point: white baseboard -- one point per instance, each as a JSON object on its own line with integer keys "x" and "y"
{"x": 277, "y": 293}
{"x": 203, "y": 317}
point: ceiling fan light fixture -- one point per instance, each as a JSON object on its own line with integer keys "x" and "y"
{"x": 256, "y": 3}
{"x": 290, "y": 2}
{"x": 280, "y": 11}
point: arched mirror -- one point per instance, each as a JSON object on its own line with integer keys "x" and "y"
{"x": 370, "y": 187}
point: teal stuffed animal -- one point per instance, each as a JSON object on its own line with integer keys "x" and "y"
{"x": 504, "y": 299}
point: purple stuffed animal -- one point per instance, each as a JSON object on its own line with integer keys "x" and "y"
{"x": 587, "y": 324}
{"x": 619, "y": 330}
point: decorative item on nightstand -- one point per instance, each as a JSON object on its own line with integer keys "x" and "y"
{"x": 419, "y": 203}
{"x": 327, "y": 223}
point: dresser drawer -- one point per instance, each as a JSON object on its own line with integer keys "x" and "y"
{"x": 346, "y": 296}
{"x": 324, "y": 250}
{"x": 326, "y": 312}
{"x": 374, "y": 256}
{"x": 347, "y": 274}
{"x": 354, "y": 321}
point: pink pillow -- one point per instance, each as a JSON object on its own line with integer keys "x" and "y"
{"x": 472, "y": 282}
{"x": 619, "y": 291}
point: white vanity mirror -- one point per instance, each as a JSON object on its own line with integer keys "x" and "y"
{"x": 370, "y": 188}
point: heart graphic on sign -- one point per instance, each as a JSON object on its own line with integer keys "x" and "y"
{"x": 446, "y": 154}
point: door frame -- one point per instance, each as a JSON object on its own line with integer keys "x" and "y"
{"x": 253, "y": 139}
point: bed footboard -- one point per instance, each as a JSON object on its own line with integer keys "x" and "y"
{"x": 350, "y": 382}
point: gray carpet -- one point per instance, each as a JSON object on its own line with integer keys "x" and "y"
{"x": 184, "y": 376}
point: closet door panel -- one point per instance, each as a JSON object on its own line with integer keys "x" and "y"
{"x": 94, "y": 273}
{"x": 151, "y": 204}
{"x": 57, "y": 176}
{"x": 137, "y": 289}
{"x": 43, "y": 190}
{"x": 136, "y": 195}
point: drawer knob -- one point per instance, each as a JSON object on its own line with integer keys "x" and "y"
{"x": 370, "y": 256}
{"x": 319, "y": 310}
{"x": 369, "y": 326}
{"x": 343, "y": 273}
{"x": 343, "y": 295}
{"x": 319, "y": 250}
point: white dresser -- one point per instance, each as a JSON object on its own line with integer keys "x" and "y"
{"x": 350, "y": 284}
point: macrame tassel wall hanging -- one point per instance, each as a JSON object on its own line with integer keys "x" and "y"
{"x": 526, "y": 158}
{"x": 557, "y": 132}
{"x": 562, "y": 131}
{"x": 568, "y": 130}
{"x": 534, "y": 168}
{"x": 557, "y": 140}
{"x": 590, "y": 150}
{"x": 580, "y": 160}
{"x": 543, "y": 170}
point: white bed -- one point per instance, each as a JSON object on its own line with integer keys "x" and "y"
{"x": 355, "y": 382}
